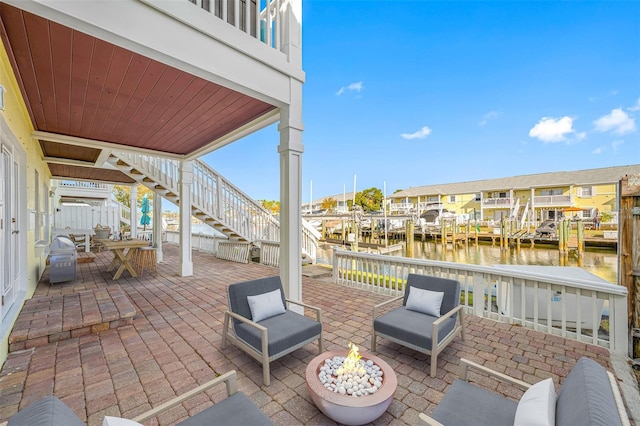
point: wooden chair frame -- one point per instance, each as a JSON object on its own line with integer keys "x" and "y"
{"x": 437, "y": 347}
{"x": 263, "y": 355}
{"x": 229, "y": 379}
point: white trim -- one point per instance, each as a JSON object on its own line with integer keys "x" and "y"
{"x": 206, "y": 47}
{"x": 92, "y": 143}
{"x": 259, "y": 123}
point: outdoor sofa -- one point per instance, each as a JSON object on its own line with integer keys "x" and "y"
{"x": 588, "y": 396}
{"x": 236, "y": 409}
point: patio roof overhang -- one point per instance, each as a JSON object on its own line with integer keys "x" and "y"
{"x": 87, "y": 97}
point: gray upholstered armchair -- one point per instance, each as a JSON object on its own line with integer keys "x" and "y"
{"x": 428, "y": 319}
{"x": 263, "y": 326}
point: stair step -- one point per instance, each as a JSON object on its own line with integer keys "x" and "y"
{"x": 99, "y": 310}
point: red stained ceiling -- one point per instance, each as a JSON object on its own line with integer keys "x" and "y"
{"x": 78, "y": 85}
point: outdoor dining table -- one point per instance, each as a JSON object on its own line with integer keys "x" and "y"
{"x": 121, "y": 256}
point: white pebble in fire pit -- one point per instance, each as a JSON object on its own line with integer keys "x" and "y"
{"x": 363, "y": 380}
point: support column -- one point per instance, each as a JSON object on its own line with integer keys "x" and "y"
{"x": 290, "y": 150}
{"x": 157, "y": 225}
{"x": 186, "y": 180}
{"x": 133, "y": 203}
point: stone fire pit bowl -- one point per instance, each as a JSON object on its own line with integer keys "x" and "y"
{"x": 347, "y": 409}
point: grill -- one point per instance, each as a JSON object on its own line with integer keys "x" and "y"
{"x": 63, "y": 260}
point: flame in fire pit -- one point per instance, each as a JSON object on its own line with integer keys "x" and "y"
{"x": 351, "y": 364}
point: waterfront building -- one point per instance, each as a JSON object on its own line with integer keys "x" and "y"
{"x": 536, "y": 197}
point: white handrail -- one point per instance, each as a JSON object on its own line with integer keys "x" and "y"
{"x": 217, "y": 197}
{"x": 570, "y": 307}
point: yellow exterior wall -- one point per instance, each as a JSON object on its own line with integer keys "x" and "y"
{"x": 19, "y": 125}
{"x": 604, "y": 198}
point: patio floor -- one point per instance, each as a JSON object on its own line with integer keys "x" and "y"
{"x": 172, "y": 343}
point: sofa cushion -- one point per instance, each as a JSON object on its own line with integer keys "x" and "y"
{"x": 118, "y": 421}
{"x": 467, "y": 404}
{"x": 48, "y": 411}
{"x": 586, "y": 398}
{"x": 234, "y": 410}
{"x": 537, "y": 407}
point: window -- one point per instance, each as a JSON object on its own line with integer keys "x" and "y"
{"x": 478, "y": 197}
{"x": 586, "y": 192}
{"x": 452, "y": 198}
{"x": 553, "y": 191}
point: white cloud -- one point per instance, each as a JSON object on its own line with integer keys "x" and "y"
{"x": 353, "y": 87}
{"x": 488, "y": 116}
{"x": 420, "y": 134}
{"x": 598, "y": 150}
{"x": 636, "y": 107}
{"x": 550, "y": 130}
{"x": 619, "y": 122}
{"x": 615, "y": 144}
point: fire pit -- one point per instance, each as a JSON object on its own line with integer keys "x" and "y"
{"x": 349, "y": 408}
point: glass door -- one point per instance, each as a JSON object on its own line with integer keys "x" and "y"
{"x": 9, "y": 230}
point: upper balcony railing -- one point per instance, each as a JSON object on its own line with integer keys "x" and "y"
{"x": 247, "y": 16}
{"x": 552, "y": 200}
{"x": 401, "y": 208}
{"x": 496, "y": 202}
{"x": 82, "y": 185}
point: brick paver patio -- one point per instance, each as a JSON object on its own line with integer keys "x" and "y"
{"x": 172, "y": 344}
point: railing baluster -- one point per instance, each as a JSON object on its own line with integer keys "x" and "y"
{"x": 514, "y": 289}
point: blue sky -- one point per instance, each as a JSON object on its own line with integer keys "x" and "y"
{"x": 424, "y": 92}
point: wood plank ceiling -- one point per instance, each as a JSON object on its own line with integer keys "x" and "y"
{"x": 81, "y": 86}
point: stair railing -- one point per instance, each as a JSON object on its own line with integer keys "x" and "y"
{"x": 217, "y": 197}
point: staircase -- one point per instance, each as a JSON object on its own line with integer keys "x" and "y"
{"x": 214, "y": 200}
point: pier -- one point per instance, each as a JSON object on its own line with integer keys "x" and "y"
{"x": 571, "y": 237}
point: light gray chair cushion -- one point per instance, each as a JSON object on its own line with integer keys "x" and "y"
{"x": 412, "y": 327}
{"x": 285, "y": 331}
{"x": 238, "y": 294}
{"x": 48, "y": 411}
{"x": 467, "y": 404}
{"x": 586, "y": 398}
{"x": 234, "y": 410}
{"x": 450, "y": 288}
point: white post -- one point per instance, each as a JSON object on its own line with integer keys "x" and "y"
{"x": 290, "y": 23}
{"x": 186, "y": 179}
{"x": 384, "y": 194}
{"x": 618, "y": 325}
{"x": 157, "y": 225}
{"x": 290, "y": 150}
{"x": 133, "y": 202}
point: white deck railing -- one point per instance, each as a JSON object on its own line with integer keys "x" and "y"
{"x": 402, "y": 208}
{"x": 502, "y": 202}
{"x": 214, "y": 195}
{"x": 83, "y": 185}
{"x": 552, "y": 200}
{"x": 542, "y": 302}
{"x": 247, "y": 17}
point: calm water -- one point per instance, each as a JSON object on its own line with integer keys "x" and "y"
{"x": 601, "y": 263}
